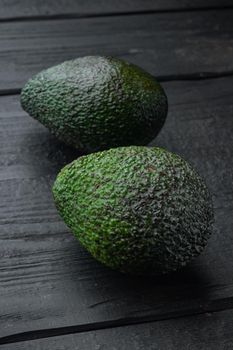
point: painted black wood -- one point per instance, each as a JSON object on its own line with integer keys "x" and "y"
{"x": 170, "y": 46}
{"x": 26, "y": 9}
{"x": 47, "y": 280}
{"x": 203, "y": 332}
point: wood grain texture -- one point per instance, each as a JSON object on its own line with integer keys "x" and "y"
{"x": 14, "y": 9}
{"x": 204, "y": 332}
{"x": 166, "y": 45}
{"x": 47, "y": 280}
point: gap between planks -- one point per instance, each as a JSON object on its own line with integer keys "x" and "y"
{"x": 212, "y": 306}
{"x": 111, "y": 14}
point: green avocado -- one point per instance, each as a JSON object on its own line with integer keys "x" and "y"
{"x": 136, "y": 209}
{"x": 95, "y": 103}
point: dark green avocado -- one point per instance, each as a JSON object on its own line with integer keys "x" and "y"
{"x": 136, "y": 209}
{"x": 95, "y": 103}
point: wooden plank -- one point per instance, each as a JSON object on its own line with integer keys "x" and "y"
{"x": 203, "y": 332}
{"x": 12, "y": 9}
{"x": 166, "y": 45}
{"x": 47, "y": 280}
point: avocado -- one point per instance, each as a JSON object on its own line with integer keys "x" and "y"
{"x": 136, "y": 209}
{"x": 95, "y": 103}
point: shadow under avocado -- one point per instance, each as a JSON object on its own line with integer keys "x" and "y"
{"x": 44, "y": 153}
{"x": 109, "y": 288}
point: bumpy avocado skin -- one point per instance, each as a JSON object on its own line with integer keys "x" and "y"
{"x": 95, "y": 103}
{"x": 136, "y": 209}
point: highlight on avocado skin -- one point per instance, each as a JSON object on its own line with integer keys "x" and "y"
{"x": 95, "y": 103}
{"x": 136, "y": 209}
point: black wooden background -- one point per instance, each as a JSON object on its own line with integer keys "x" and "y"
{"x": 53, "y": 295}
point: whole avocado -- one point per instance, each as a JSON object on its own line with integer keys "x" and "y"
{"x": 95, "y": 103}
{"x": 136, "y": 209}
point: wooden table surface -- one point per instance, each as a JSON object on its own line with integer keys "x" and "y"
{"x": 53, "y": 294}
